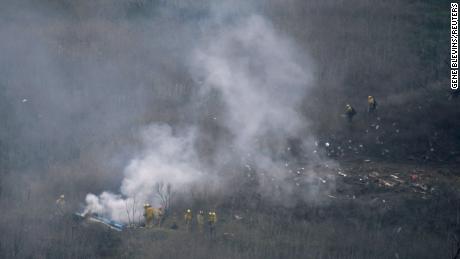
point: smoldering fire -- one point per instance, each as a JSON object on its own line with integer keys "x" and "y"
{"x": 262, "y": 78}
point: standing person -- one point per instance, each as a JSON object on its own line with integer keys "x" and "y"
{"x": 200, "y": 221}
{"x": 60, "y": 205}
{"x": 212, "y": 220}
{"x": 372, "y": 104}
{"x": 149, "y": 213}
{"x": 188, "y": 216}
{"x": 349, "y": 112}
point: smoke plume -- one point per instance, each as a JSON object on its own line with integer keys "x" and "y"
{"x": 261, "y": 79}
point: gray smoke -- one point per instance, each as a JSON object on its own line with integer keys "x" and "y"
{"x": 261, "y": 79}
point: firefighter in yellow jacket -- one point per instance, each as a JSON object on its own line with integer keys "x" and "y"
{"x": 149, "y": 214}
{"x": 212, "y": 220}
{"x": 349, "y": 112}
{"x": 372, "y": 104}
{"x": 200, "y": 221}
{"x": 188, "y": 216}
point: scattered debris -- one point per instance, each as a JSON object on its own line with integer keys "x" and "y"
{"x": 386, "y": 183}
{"x": 420, "y": 186}
{"x": 374, "y": 174}
{"x": 112, "y": 224}
{"x": 341, "y": 174}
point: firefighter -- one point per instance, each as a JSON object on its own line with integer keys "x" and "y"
{"x": 60, "y": 204}
{"x": 160, "y": 214}
{"x": 372, "y": 104}
{"x": 188, "y": 219}
{"x": 149, "y": 214}
{"x": 200, "y": 220}
{"x": 349, "y": 112}
{"x": 212, "y": 220}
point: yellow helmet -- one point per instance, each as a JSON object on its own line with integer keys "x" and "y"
{"x": 370, "y": 97}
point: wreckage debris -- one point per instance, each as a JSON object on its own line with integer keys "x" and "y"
{"x": 341, "y": 174}
{"x": 238, "y": 217}
{"x": 112, "y": 224}
{"x": 374, "y": 174}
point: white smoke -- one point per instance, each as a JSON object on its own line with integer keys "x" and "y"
{"x": 262, "y": 78}
{"x": 167, "y": 158}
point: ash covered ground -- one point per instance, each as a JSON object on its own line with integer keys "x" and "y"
{"x": 240, "y": 108}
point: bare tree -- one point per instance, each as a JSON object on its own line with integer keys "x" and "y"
{"x": 164, "y": 193}
{"x": 131, "y": 209}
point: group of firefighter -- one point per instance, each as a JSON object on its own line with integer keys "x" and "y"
{"x": 350, "y": 112}
{"x": 154, "y": 216}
